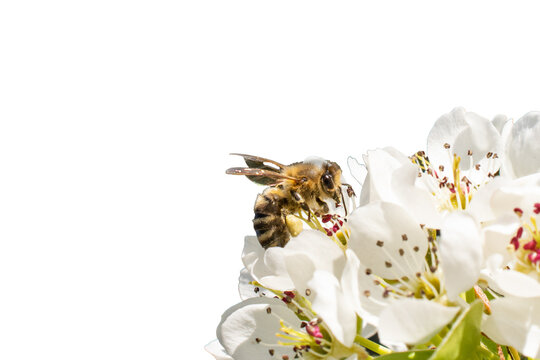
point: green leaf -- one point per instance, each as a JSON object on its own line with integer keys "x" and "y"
{"x": 492, "y": 346}
{"x": 463, "y": 339}
{"x": 408, "y": 355}
{"x": 469, "y": 295}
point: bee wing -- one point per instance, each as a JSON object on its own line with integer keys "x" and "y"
{"x": 260, "y": 176}
{"x": 258, "y": 162}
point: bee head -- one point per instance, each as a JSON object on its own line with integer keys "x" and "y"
{"x": 331, "y": 179}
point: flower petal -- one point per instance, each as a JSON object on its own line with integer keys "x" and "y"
{"x": 246, "y": 289}
{"x": 366, "y": 298}
{"x": 517, "y": 284}
{"x": 460, "y": 252}
{"x": 329, "y": 302}
{"x": 464, "y": 132}
{"x": 515, "y": 322}
{"x": 480, "y": 204}
{"x": 248, "y": 330}
{"x": 497, "y": 236}
{"x": 392, "y": 177}
{"x": 357, "y": 170}
{"x": 215, "y": 348}
{"x": 522, "y": 148}
{"x": 387, "y": 240}
{"x": 413, "y": 321}
{"x": 267, "y": 267}
{"x": 520, "y": 193}
{"x": 499, "y": 121}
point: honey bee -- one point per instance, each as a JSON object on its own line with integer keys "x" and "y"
{"x": 291, "y": 188}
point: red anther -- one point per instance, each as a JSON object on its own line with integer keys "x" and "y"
{"x": 314, "y": 331}
{"x": 515, "y": 242}
{"x": 335, "y": 228}
{"x": 326, "y": 218}
{"x": 289, "y": 294}
{"x": 519, "y": 232}
{"x": 340, "y": 223}
{"x": 534, "y": 257}
{"x": 286, "y": 299}
{"x": 328, "y": 232}
{"x": 518, "y": 211}
{"x": 537, "y": 208}
{"x": 531, "y": 245}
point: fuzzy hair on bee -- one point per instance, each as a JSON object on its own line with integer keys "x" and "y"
{"x": 301, "y": 186}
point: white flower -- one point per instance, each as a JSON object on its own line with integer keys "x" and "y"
{"x": 215, "y": 348}
{"x": 515, "y": 322}
{"x": 512, "y": 248}
{"x": 396, "y": 283}
{"x": 521, "y": 147}
{"x": 512, "y": 240}
{"x": 393, "y": 177}
{"x": 462, "y": 157}
{"x": 464, "y": 144}
{"x": 311, "y": 265}
{"x": 260, "y": 327}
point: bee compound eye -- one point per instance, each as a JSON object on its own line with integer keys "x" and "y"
{"x": 327, "y": 181}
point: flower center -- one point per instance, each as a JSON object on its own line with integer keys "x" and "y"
{"x": 452, "y": 190}
{"x": 525, "y": 244}
{"x": 425, "y": 284}
{"x": 312, "y": 340}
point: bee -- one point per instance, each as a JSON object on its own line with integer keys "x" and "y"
{"x": 306, "y": 186}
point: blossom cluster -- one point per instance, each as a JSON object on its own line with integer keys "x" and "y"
{"x": 439, "y": 258}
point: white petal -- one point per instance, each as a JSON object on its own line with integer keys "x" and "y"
{"x": 497, "y": 236}
{"x": 517, "y": 284}
{"x": 499, "y": 121}
{"x": 267, "y": 267}
{"x": 329, "y": 302}
{"x": 413, "y": 321}
{"x": 243, "y": 323}
{"x": 272, "y": 272}
{"x": 355, "y": 282}
{"x": 387, "y": 240}
{"x": 463, "y": 131}
{"x": 247, "y": 290}
{"x": 357, "y": 170}
{"x": 252, "y": 251}
{"x": 381, "y": 164}
{"x": 515, "y": 322}
{"x": 520, "y": 193}
{"x": 393, "y": 178}
{"x": 522, "y": 147}
{"x": 311, "y": 251}
{"x": 460, "y": 252}
{"x": 480, "y": 205}
{"x": 321, "y": 251}
{"x": 245, "y": 287}
{"x": 215, "y": 348}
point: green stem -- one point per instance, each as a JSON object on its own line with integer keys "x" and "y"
{"x": 373, "y": 346}
{"x": 437, "y": 340}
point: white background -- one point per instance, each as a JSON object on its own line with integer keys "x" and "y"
{"x": 120, "y": 234}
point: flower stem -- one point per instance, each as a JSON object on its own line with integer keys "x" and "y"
{"x": 373, "y": 346}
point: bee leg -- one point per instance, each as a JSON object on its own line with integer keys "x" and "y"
{"x": 350, "y": 191}
{"x": 343, "y": 201}
{"x": 323, "y": 206}
{"x": 296, "y": 196}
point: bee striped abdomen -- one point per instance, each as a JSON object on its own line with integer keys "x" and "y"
{"x": 269, "y": 222}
